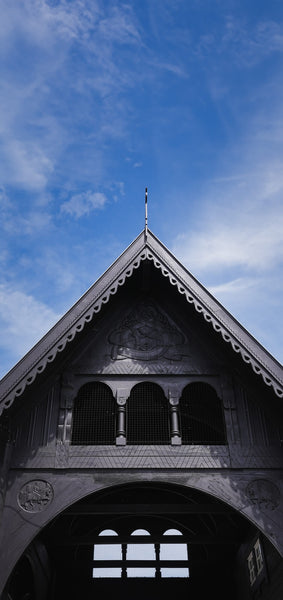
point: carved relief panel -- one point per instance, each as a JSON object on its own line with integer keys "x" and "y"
{"x": 142, "y": 340}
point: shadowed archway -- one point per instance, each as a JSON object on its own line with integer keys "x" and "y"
{"x": 218, "y": 541}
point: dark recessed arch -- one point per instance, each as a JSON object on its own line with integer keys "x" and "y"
{"x": 201, "y": 415}
{"x": 147, "y": 415}
{"x": 94, "y": 415}
{"x": 217, "y": 537}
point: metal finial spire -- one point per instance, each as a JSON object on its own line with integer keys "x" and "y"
{"x": 145, "y": 229}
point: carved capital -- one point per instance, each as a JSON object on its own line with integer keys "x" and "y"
{"x": 174, "y": 401}
{"x": 122, "y": 395}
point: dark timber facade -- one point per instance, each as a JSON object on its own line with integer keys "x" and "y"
{"x": 141, "y": 447}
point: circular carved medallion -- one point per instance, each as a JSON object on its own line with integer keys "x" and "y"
{"x": 35, "y": 495}
{"x": 263, "y": 494}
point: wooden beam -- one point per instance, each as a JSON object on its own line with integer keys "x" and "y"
{"x": 140, "y": 563}
{"x": 89, "y": 540}
{"x": 147, "y": 509}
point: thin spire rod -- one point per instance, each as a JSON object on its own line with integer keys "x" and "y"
{"x": 146, "y": 211}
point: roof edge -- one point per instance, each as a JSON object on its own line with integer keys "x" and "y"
{"x": 145, "y": 246}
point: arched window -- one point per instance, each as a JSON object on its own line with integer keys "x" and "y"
{"x": 107, "y": 552}
{"x": 94, "y": 415}
{"x": 170, "y": 552}
{"x": 147, "y": 415}
{"x": 140, "y": 552}
{"x": 201, "y": 415}
{"x": 139, "y": 555}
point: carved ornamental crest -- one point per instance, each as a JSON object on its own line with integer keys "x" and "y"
{"x": 147, "y": 335}
{"x": 35, "y": 495}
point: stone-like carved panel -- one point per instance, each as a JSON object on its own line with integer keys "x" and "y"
{"x": 263, "y": 494}
{"x": 35, "y": 496}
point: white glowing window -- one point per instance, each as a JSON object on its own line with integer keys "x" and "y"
{"x": 255, "y": 562}
{"x": 174, "y": 552}
{"x": 140, "y": 552}
{"x": 107, "y": 552}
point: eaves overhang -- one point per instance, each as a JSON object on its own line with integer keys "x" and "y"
{"x": 145, "y": 247}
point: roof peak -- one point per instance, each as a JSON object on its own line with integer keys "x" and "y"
{"x": 84, "y": 310}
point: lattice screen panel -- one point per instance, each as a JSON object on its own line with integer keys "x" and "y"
{"x": 147, "y": 415}
{"x": 201, "y": 415}
{"x": 94, "y": 415}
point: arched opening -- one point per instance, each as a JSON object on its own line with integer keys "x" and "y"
{"x": 147, "y": 415}
{"x": 137, "y": 552}
{"x": 94, "y": 415}
{"x": 102, "y": 552}
{"x": 201, "y": 415}
{"x": 156, "y": 538}
{"x": 178, "y": 550}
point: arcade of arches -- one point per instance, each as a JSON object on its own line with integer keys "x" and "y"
{"x": 147, "y": 539}
{"x": 147, "y": 417}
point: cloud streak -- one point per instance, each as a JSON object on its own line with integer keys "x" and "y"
{"x": 23, "y": 319}
{"x": 83, "y": 204}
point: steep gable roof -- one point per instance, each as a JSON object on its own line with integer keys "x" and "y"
{"x": 145, "y": 247}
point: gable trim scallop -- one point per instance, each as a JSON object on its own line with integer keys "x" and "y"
{"x": 195, "y": 294}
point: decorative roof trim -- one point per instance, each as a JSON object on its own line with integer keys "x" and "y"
{"x": 220, "y": 326}
{"x": 202, "y": 301}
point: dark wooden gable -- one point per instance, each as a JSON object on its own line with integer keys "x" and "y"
{"x": 146, "y": 252}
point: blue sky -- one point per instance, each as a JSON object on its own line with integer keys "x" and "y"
{"x": 101, "y": 98}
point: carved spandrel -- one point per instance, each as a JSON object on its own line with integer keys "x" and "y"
{"x": 263, "y": 494}
{"x": 35, "y": 496}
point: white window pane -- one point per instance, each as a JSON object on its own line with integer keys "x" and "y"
{"x": 140, "y": 572}
{"x": 106, "y": 572}
{"x": 140, "y": 551}
{"x": 174, "y": 572}
{"x": 173, "y": 552}
{"x": 108, "y": 532}
{"x": 107, "y": 552}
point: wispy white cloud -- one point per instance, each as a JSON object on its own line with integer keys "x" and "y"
{"x": 236, "y": 245}
{"x": 83, "y": 204}
{"x": 240, "y": 216}
{"x": 240, "y": 40}
{"x": 241, "y": 285}
{"x": 38, "y": 40}
{"x": 23, "y": 320}
{"x": 28, "y": 221}
{"x": 241, "y": 238}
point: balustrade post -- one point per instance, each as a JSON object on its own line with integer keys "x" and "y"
{"x": 174, "y": 422}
